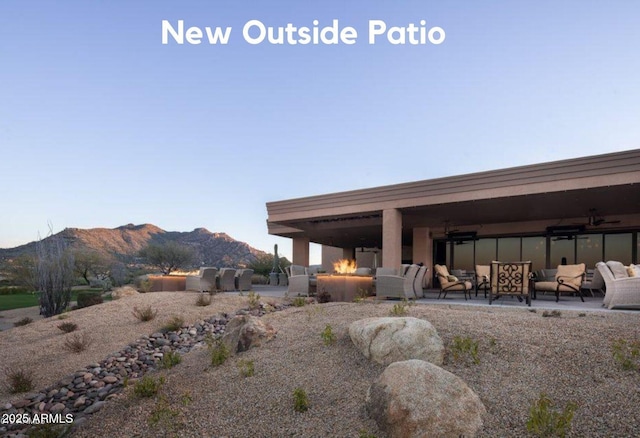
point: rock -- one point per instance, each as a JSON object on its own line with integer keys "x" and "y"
{"x": 244, "y": 332}
{"x": 393, "y": 339}
{"x": 110, "y": 379}
{"x": 94, "y": 407}
{"x": 415, "y": 398}
{"x": 58, "y": 407}
{"x": 21, "y": 403}
{"x": 79, "y": 402}
{"x": 122, "y": 292}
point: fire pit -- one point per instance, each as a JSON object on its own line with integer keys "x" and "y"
{"x": 344, "y": 285}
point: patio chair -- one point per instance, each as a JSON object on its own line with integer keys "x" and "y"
{"x": 450, "y": 283}
{"x": 298, "y": 281}
{"x": 362, "y": 271}
{"x": 622, "y": 291}
{"x": 482, "y": 276}
{"x": 397, "y": 286}
{"x": 419, "y": 282}
{"x": 227, "y": 279}
{"x": 568, "y": 279}
{"x": 243, "y": 279}
{"x": 510, "y": 278}
{"x": 205, "y": 281}
{"x": 594, "y": 282}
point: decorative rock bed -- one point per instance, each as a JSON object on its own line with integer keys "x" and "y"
{"x": 85, "y": 391}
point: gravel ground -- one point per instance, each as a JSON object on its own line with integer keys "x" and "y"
{"x": 522, "y": 354}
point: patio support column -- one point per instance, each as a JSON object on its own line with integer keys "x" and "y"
{"x": 391, "y": 238}
{"x": 301, "y": 251}
{"x": 423, "y": 251}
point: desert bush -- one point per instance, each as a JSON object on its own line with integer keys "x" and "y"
{"x": 18, "y": 379}
{"x": 324, "y": 296}
{"x": 24, "y": 321}
{"x": 86, "y": 299}
{"x": 401, "y": 308}
{"x": 77, "y": 343}
{"x": 463, "y": 347}
{"x": 218, "y": 351}
{"x": 254, "y": 300}
{"x": 174, "y": 324}
{"x": 246, "y": 368}
{"x": 203, "y": 300}
{"x": 300, "y": 400}
{"x": 170, "y": 359}
{"x": 143, "y": 284}
{"x": 164, "y": 417}
{"x": 49, "y": 431}
{"x": 148, "y": 386}
{"x": 145, "y": 314}
{"x": 545, "y": 421}
{"x": 168, "y": 257}
{"x": 299, "y": 301}
{"x": 53, "y": 274}
{"x": 327, "y": 335}
{"x": 551, "y": 314}
{"x": 68, "y": 327}
{"x": 626, "y": 354}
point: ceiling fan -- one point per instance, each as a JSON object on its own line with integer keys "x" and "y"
{"x": 596, "y": 219}
{"x": 569, "y": 237}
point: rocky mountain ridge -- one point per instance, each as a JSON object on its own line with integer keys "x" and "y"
{"x": 124, "y": 243}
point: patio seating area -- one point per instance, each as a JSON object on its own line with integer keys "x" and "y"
{"x": 211, "y": 279}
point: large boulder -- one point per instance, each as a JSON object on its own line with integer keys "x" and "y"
{"x": 246, "y": 331}
{"x": 415, "y": 398}
{"x": 393, "y": 339}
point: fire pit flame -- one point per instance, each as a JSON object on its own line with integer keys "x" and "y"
{"x": 345, "y": 266}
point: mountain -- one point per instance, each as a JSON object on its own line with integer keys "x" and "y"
{"x": 124, "y": 243}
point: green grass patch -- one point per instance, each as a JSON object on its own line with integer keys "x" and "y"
{"x": 32, "y": 299}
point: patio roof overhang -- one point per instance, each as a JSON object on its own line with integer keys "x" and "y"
{"x": 536, "y": 196}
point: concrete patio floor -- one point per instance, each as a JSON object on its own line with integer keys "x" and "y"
{"x": 544, "y": 302}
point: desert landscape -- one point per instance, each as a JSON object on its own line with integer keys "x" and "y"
{"x": 521, "y": 355}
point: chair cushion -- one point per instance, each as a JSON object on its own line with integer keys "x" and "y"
{"x": 617, "y": 269}
{"x": 441, "y": 271}
{"x": 452, "y": 278}
{"x": 482, "y": 272}
{"x": 571, "y": 273}
{"x": 633, "y": 270}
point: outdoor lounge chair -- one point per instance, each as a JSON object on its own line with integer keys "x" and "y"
{"x": 243, "y": 279}
{"x": 510, "y": 278}
{"x": 568, "y": 279}
{"x": 298, "y": 281}
{"x": 450, "y": 283}
{"x": 622, "y": 291}
{"x": 396, "y": 286}
{"x": 418, "y": 283}
{"x": 227, "y": 279}
{"x": 205, "y": 281}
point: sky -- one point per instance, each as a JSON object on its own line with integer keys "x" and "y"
{"x": 101, "y": 124}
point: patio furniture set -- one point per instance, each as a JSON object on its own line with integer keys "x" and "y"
{"x": 225, "y": 279}
{"x": 619, "y": 284}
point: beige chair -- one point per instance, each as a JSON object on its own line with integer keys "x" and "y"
{"x": 568, "y": 279}
{"x": 243, "y": 279}
{"x": 450, "y": 283}
{"x": 483, "y": 274}
{"x": 227, "y": 279}
{"x": 510, "y": 278}
{"x": 396, "y": 286}
{"x": 298, "y": 281}
{"x": 205, "y": 281}
{"x": 622, "y": 290}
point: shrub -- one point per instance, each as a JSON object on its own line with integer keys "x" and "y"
{"x": 186, "y": 398}
{"x": 147, "y": 386}
{"x": 168, "y": 257}
{"x": 68, "y": 327}
{"x": 24, "y": 321}
{"x": 144, "y": 314}
{"x": 465, "y": 347}
{"x": 86, "y": 299}
{"x": 626, "y": 354}
{"x": 18, "y": 380}
{"x": 170, "y": 359}
{"x": 300, "y": 400}
{"x": 174, "y": 324}
{"x": 203, "y": 300}
{"x": 49, "y": 431}
{"x": 299, "y": 302}
{"x": 402, "y": 308}
{"x": 327, "y": 335}
{"x": 246, "y": 367}
{"x": 218, "y": 351}
{"x": 552, "y": 314}
{"x": 254, "y": 300}
{"x": 53, "y": 274}
{"x": 77, "y": 342}
{"x": 324, "y": 296}
{"x": 143, "y": 284}
{"x": 163, "y": 416}
{"x": 544, "y": 421}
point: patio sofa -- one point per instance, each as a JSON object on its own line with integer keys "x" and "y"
{"x": 622, "y": 289}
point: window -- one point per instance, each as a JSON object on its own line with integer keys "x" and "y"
{"x": 534, "y": 249}
{"x": 509, "y": 249}
{"x": 485, "y": 251}
{"x": 618, "y": 247}
{"x": 562, "y": 248}
{"x": 589, "y": 249}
